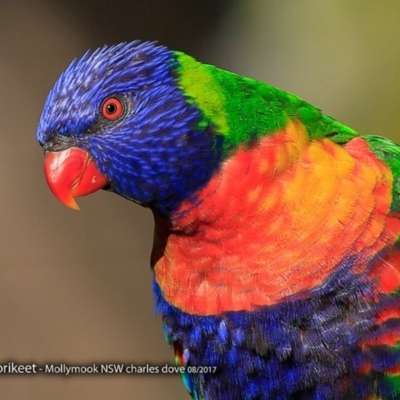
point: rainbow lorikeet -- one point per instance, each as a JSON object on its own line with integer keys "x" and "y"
{"x": 276, "y": 260}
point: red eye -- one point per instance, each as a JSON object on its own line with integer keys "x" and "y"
{"x": 112, "y": 108}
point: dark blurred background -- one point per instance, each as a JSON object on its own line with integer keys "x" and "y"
{"x": 75, "y": 287}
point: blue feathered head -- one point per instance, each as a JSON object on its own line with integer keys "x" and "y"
{"x": 124, "y": 107}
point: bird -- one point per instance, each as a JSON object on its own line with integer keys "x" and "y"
{"x": 275, "y": 260}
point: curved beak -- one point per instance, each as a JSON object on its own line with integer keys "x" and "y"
{"x": 72, "y": 173}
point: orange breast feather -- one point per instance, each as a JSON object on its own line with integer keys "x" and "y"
{"x": 276, "y": 220}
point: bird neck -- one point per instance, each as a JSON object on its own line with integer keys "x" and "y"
{"x": 252, "y": 236}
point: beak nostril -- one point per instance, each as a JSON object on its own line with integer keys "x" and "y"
{"x": 58, "y": 142}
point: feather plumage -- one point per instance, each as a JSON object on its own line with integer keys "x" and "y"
{"x": 275, "y": 255}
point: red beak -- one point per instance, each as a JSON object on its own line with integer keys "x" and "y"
{"x": 72, "y": 173}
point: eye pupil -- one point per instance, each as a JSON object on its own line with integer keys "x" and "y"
{"x": 112, "y": 108}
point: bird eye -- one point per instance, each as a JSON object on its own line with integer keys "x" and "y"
{"x": 112, "y": 108}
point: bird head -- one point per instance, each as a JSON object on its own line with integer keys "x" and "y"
{"x": 119, "y": 119}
